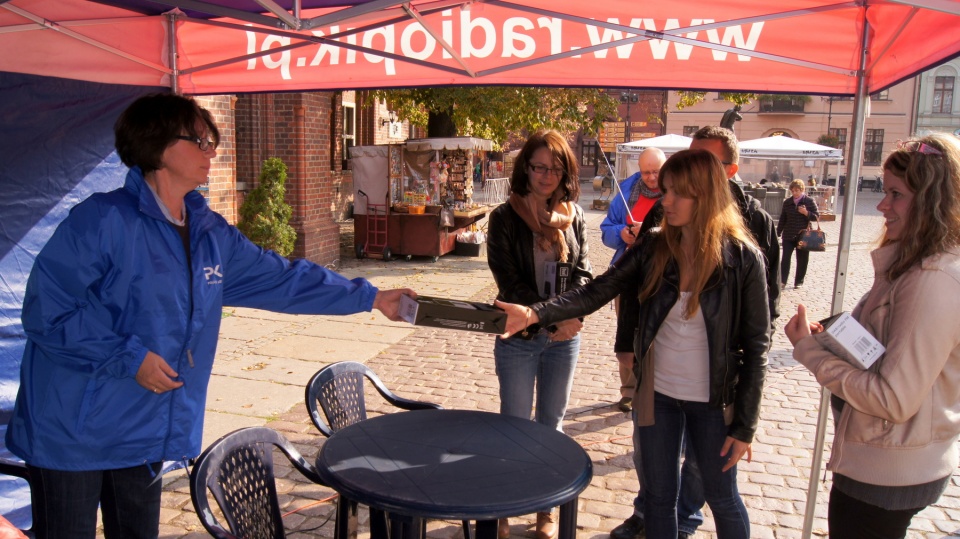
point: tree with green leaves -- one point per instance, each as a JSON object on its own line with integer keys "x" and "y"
{"x": 265, "y": 215}
{"x": 689, "y": 99}
{"x": 494, "y": 112}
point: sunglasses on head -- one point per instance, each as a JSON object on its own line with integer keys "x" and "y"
{"x": 917, "y": 146}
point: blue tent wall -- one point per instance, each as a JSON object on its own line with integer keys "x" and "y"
{"x": 56, "y": 148}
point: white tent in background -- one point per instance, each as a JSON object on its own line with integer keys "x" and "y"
{"x": 668, "y": 143}
{"x": 627, "y": 153}
{"x": 781, "y": 147}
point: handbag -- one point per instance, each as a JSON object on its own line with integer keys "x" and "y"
{"x": 812, "y": 240}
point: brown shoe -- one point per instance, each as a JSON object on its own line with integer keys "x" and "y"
{"x": 503, "y": 528}
{"x": 546, "y": 525}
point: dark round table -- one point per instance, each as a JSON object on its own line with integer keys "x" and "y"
{"x": 457, "y": 465}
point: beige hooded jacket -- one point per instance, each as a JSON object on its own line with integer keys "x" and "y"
{"x": 902, "y": 418}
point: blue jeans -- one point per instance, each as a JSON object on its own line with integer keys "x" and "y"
{"x": 690, "y": 501}
{"x": 538, "y": 362}
{"x": 65, "y": 503}
{"x": 702, "y": 429}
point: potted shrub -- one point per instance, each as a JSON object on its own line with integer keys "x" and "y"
{"x": 265, "y": 215}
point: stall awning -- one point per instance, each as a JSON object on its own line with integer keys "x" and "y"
{"x": 669, "y": 143}
{"x": 452, "y": 143}
{"x": 780, "y": 147}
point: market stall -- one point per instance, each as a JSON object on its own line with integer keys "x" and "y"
{"x": 412, "y": 199}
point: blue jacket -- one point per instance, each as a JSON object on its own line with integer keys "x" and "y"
{"x": 616, "y": 218}
{"x": 113, "y": 283}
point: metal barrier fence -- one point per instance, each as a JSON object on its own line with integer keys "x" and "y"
{"x": 494, "y": 192}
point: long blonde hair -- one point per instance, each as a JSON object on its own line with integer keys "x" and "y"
{"x": 699, "y": 175}
{"x": 934, "y": 179}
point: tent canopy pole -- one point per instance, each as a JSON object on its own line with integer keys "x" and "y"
{"x": 843, "y": 255}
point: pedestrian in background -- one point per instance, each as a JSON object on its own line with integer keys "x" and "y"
{"x": 701, "y": 333}
{"x": 620, "y": 229}
{"x": 537, "y": 231}
{"x": 895, "y": 446}
{"x": 122, "y": 315}
{"x": 798, "y": 210}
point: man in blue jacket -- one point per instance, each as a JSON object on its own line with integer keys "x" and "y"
{"x": 619, "y": 230}
{"x": 122, "y": 315}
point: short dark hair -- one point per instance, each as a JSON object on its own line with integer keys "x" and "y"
{"x": 570, "y": 182}
{"x": 151, "y": 124}
{"x": 724, "y": 135}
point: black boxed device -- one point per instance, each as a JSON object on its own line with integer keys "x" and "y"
{"x": 453, "y": 314}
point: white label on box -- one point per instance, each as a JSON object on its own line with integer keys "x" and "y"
{"x": 856, "y": 343}
{"x": 408, "y": 309}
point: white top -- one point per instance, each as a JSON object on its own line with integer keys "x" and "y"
{"x": 681, "y": 360}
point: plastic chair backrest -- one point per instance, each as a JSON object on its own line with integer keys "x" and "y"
{"x": 238, "y": 471}
{"x": 17, "y": 469}
{"x": 338, "y": 388}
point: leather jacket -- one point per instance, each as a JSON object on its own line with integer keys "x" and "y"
{"x": 510, "y": 256}
{"x": 735, "y": 309}
{"x": 764, "y": 231}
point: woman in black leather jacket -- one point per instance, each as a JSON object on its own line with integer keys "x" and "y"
{"x": 700, "y": 336}
{"x": 536, "y": 242}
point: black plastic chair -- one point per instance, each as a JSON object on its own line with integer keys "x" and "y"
{"x": 238, "y": 471}
{"x": 15, "y": 468}
{"x": 338, "y": 388}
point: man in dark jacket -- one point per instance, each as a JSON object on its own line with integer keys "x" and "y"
{"x": 722, "y": 143}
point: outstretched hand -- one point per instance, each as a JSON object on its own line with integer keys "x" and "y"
{"x": 388, "y": 302}
{"x": 519, "y": 317}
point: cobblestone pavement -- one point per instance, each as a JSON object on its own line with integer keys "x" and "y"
{"x": 456, "y": 370}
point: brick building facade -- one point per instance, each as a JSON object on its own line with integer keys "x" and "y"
{"x": 305, "y": 131}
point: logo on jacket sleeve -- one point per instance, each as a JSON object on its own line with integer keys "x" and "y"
{"x": 213, "y": 274}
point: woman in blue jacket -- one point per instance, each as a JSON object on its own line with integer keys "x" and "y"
{"x": 122, "y": 314}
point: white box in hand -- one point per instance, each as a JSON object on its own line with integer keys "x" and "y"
{"x": 845, "y": 337}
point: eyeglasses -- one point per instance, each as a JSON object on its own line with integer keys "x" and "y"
{"x": 917, "y": 146}
{"x": 543, "y": 169}
{"x": 204, "y": 143}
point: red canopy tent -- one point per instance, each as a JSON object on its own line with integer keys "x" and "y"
{"x": 796, "y": 46}
{"x": 851, "y": 48}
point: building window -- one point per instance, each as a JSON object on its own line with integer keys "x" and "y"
{"x": 881, "y": 96}
{"x": 349, "y": 131}
{"x": 943, "y": 95}
{"x": 588, "y": 153}
{"x": 873, "y": 147}
{"x": 689, "y": 130}
{"x": 841, "y": 134}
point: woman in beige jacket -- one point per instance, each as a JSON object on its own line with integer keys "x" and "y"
{"x": 897, "y": 425}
